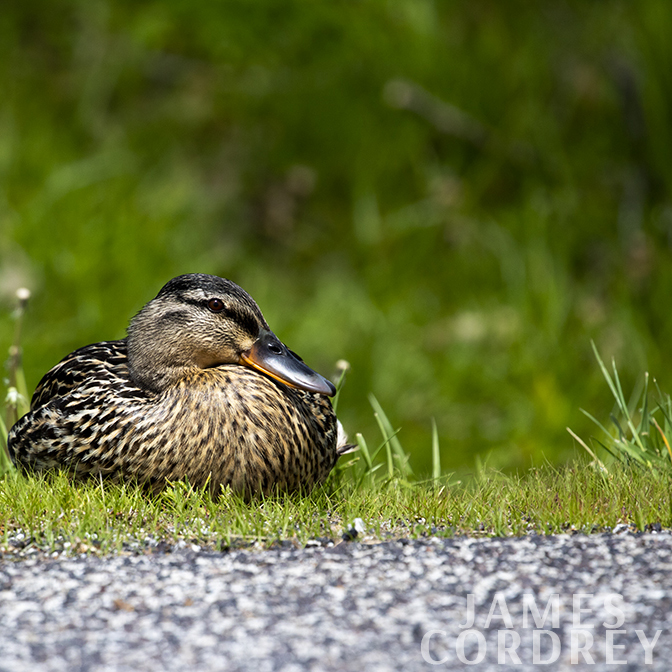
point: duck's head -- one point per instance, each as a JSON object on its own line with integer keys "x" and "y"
{"x": 203, "y": 321}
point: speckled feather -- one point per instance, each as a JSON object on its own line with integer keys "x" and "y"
{"x": 227, "y": 425}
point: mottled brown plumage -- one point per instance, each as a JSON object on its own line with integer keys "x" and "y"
{"x": 200, "y": 389}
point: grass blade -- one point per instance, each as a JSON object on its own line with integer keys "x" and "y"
{"x": 667, "y": 444}
{"x": 389, "y": 433}
{"x": 344, "y": 367}
{"x": 436, "y": 453}
{"x": 388, "y": 448}
{"x": 364, "y": 450}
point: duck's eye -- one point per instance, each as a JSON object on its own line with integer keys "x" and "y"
{"x": 216, "y": 305}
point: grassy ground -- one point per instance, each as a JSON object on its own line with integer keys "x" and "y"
{"x": 55, "y": 516}
{"x": 371, "y": 496}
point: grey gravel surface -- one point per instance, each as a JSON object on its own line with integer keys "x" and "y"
{"x": 349, "y": 607}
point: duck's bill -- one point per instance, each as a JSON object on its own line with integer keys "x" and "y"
{"x": 270, "y": 356}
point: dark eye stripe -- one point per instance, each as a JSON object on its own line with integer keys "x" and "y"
{"x": 246, "y": 320}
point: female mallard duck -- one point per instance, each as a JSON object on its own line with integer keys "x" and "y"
{"x": 200, "y": 389}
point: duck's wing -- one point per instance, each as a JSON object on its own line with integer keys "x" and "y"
{"x": 107, "y": 358}
{"x": 72, "y": 410}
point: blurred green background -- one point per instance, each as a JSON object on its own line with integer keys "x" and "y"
{"x": 456, "y": 197}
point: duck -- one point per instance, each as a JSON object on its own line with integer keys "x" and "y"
{"x": 200, "y": 389}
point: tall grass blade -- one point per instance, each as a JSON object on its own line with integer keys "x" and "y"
{"x": 388, "y": 447}
{"x": 388, "y": 433}
{"x": 624, "y": 408}
{"x": 596, "y": 421}
{"x": 344, "y": 367}
{"x": 436, "y": 452}
{"x": 364, "y": 450}
{"x": 636, "y": 445}
{"x": 605, "y": 373}
{"x": 5, "y": 463}
{"x": 662, "y": 434}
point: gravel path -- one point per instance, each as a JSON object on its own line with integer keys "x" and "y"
{"x": 349, "y": 607}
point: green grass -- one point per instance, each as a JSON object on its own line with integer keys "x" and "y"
{"x": 631, "y": 486}
{"x": 53, "y": 515}
{"x": 641, "y": 426}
